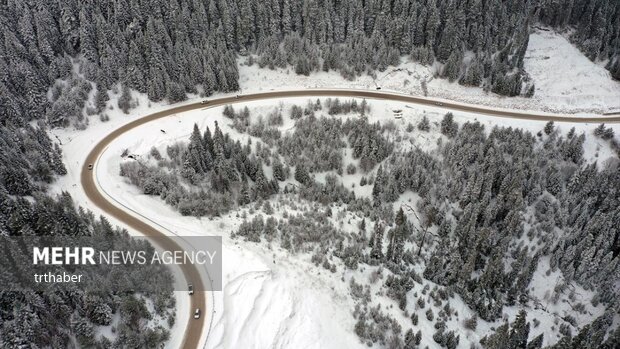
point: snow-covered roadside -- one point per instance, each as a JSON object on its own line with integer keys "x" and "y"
{"x": 177, "y": 331}
{"x": 263, "y": 302}
{"x": 250, "y": 276}
{"x": 566, "y": 81}
{"x": 75, "y": 146}
{"x": 269, "y": 299}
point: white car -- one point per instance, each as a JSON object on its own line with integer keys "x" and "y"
{"x": 90, "y": 167}
{"x": 204, "y": 101}
{"x": 197, "y": 313}
{"x": 190, "y": 288}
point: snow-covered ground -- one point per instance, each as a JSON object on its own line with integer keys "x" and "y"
{"x": 565, "y": 77}
{"x": 271, "y": 299}
{"x": 263, "y": 303}
{"x": 566, "y": 81}
{"x": 75, "y": 146}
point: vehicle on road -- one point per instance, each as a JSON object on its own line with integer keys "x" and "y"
{"x": 237, "y": 97}
{"x": 90, "y": 166}
{"x": 190, "y": 289}
{"x": 197, "y": 313}
{"x": 378, "y": 87}
{"x": 204, "y": 101}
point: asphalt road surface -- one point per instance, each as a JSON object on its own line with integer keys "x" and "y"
{"x": 198, "y": 300}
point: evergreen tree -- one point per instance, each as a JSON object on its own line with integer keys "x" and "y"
{"x": 377, "y": 242}
{"x": 301, "y": 175}
{"x": 519, "y": 332}
{"x": 448, "y": 127}
{"x": 536, "y": 343}
{"x": 549, "y": 127}
{"x": 278, "y": 169}
{"x": 424, "y": 125}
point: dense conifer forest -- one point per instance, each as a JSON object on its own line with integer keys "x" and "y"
{"x": 169, "y": 48}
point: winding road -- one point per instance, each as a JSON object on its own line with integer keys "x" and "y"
{"x": 195, "y": 327}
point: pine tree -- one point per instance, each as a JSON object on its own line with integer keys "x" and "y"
{"x": 452, "y": 68}
{"x": 473, "y": 75}
{"x": 136, "y": 68}
{"x": 376, "y": 251}
{"x": 301, "y": 175}
{"x": 400, "y": 219}
{"x": 410, "y": 339}
{"x": 432, "y": 23}
{"x": 448, "y": 127}
{"x": 599, "y": 130}
{"x": 278, "y": 169}
{"x": 418, "y": 337}
{"x": 536, "y": 343}
{"x": 549, "y": 127}
{"x": 424, "y": 125}
{"x": 124, "y": 101}
{"x": 519, "y": 332}
{"x": 497, "y": 340}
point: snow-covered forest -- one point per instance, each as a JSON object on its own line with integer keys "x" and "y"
{"x": 475, "y": 217}
{"x": 56, "y": 316}
{"x": 520, "y": 200}
{"x": 167, "y": 49}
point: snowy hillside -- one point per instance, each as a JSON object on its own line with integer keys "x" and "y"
{"x": 565, "y": 77}
{"x": 566, "y": 81}
{"x": 274, "y": 298}
{"x": 345, "y": 223}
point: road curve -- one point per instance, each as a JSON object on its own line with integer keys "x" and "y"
{"x": 198, "y": 300}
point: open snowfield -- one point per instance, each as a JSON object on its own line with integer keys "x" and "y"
{"x": 564, "y": 76}
{"x": 566, "y": 81}
{"x": 272, "y": 299}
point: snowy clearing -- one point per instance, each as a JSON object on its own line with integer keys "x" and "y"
{"x": 566, "y": 82}
{"x": 565, "y": 77}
